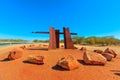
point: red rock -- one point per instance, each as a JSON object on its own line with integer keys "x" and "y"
{"x": 93, "y": 58}
{"x": 35, "y": 59}
{"x": 62, "y": 46}
{"x": 15, "y": 54}
{"x": 23, "y": 47}
{"x": 110, "y": 51}
{"x": 75, "y": 48}
{"x": 98, "y": 51}
{"x": 68, "y": 63}
{"x": 40, "y": 45}
{"x": 31, "y": 45}
{"x": 83, "y": 49}
{"x": 108, "y": 56}
{"x": 45, "y": 45}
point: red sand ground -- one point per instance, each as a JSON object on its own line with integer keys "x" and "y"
{"x": 19, "y": 70}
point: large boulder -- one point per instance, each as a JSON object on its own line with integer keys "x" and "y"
{"x": 93, "y": 58}
{"x": 110, "y": 51}
{"x": 15, "y": 54}
{"x": 98, "y": 51}
{"x": 68, "y": 63}
{"x": 35, "y": 59}
{"x": 108, "y": 56}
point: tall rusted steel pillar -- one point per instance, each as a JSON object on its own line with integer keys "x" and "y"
{"x": 68, "y": 43}
{"x": 57, "y": 38}
{"x": 52, "y": 41}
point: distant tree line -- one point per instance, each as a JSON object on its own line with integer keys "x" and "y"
{"x": 12, "y": 40}
{"x": 43, "y": 41}
{"x": 104, "y": 41}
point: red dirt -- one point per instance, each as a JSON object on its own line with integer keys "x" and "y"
{"x": 20, "y": 70}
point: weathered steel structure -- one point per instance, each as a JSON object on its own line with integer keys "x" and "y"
{"x": 54, "y": 38}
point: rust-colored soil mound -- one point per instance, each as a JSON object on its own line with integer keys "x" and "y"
{"x": 20, "y": 70}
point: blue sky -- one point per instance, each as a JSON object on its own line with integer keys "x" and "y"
{"x": 18, "y": 18}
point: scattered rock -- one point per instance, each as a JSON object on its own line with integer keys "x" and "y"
{"x": 23, "y": 47}
{"x": 93, "y": 58}
{"x": 31, "y": 45}
{"x": 35, "y": 59}
{"x": 98, "y": 51}
{"x": 83, "y": 49}
{"x": 45, "y": 45}
{"x": 108, "y": 56}
{"x": 40, "y": 45}
{"x": 75, "y": 48}
{"x": 15, "y": 54}
{"x": 110, "y": 51}
{"x": 68, "y": 63}
{"x": 62, "y": 46}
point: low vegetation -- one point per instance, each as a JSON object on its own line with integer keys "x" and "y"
{"x": 43, "y": 41}
{"x": 12, "y": 40}
{"x": 104, "y": 41}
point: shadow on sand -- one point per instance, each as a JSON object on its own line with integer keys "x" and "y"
{"x": 56, "y": 67}
{"x": 5, "y": 60}
{"x": 45, "y": 49}
{"x": 27, "y": 62}
{"x": 83, "y": 63}
{"x": 116, "y": 72}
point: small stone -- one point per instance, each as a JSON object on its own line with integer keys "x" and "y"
{"x": 75, "y": 48}
{"x": 108, "y": 56}
{"x": 23, "y": 47}
{"x": 15, "y": 54}
{"x": 83, "y": 49}
{"x": 31, "y": 45}
{"x": 110, "y": 51}
{"x": 62, "y": 46}
{"x": 98, "y": 51}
